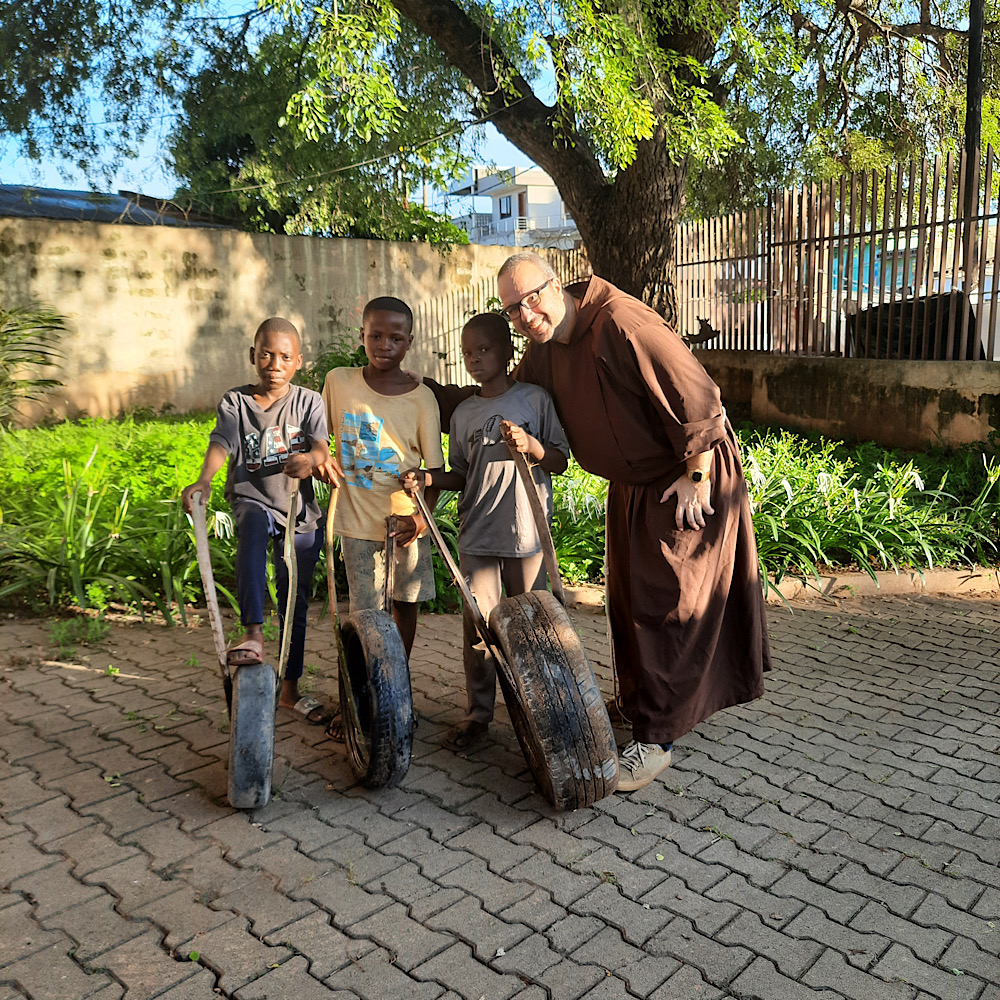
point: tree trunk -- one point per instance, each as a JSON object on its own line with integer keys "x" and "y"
{"x": 629, "y": 223}
{"x": 629, "y": 228}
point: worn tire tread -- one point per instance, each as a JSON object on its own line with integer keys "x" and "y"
{"x": 554, "y": 701}
{"x": 251, "y": 735}
{"x": 380, "y": 754}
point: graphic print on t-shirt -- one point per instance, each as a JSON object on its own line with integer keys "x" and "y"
{"x": 274, "y": 450}
{"x": 360, "y": 454}
{"x": 490, "y": 433}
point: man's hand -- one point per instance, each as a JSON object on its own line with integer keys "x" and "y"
{"x": 408, "y": 528}
{"x": 299, "y": 466}
{"x": 330, "y": 472}
{"x": 187, "y": 497}
{"x": 694, "y": 501}
{"x": 517, "y": 437}
{"x": 414, "y": 480}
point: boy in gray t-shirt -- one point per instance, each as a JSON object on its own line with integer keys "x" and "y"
{"x": 498, "y": 544}
{"x": 269, "y": 432}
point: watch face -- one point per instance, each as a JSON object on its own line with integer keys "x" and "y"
{"x": 697, "y": 477}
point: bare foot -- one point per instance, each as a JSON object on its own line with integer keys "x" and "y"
{"x": 289, "y": 693}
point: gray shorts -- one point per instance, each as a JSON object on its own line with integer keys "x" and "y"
{"x": 364, "y": 560}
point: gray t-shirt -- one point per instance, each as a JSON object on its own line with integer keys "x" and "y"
{"x": 259, "y": 443}
{"x": 493, "y": 508}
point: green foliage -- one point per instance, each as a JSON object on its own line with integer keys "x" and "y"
{"x": 615, "y": 86}
{"x": 28, "y": 339}
{"x": 814, "y": 510}
{"x": 106, "y": 530}
{"x": 813, "y": 92}
{"x": 578, "y": 500}
{"x": 62, "y": 60}
{"x": 447, "y": 597}
{"x": 156, "y": 457}
{"x": 346, "y": 352}
{"x": 81, "y": 630}
{"x": 78, "y": 554}
{"x": 299, "y": 158}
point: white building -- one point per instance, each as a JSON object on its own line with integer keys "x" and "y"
{"x": 527, "y": 210}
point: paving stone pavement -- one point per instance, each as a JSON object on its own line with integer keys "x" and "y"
{"x": 837, "y": 839}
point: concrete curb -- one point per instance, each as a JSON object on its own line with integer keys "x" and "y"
{"x": 971, "y": 581}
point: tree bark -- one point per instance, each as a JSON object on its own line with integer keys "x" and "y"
{"x": 628, "y": 224}
{"x": 630, "y": 230}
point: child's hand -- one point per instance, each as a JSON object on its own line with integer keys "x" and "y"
{"x": 299, "y": 466}
{"x": 408, "y": 528}
{"x": 330, "y": 472}
{"x": 517, "y": 437}
{"x": 414, "y": 480}
{"x": 187, "y": 497}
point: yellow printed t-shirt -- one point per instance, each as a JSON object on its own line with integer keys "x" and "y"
{"x": 377, "y": 438}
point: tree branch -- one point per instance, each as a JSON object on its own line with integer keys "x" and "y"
{"x": 856, "y": 10}
{"x": 564, "y": 153}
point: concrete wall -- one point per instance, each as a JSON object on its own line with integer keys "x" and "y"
{"x": 905, "y": 404}
{"x": 166, "y": 316}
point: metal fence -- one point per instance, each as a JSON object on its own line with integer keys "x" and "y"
{"x": 871, "y": 265}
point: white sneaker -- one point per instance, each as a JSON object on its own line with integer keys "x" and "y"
{"x": 640, "y": 763}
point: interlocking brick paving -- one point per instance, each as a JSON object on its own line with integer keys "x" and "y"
{"x": 840, "y": 838}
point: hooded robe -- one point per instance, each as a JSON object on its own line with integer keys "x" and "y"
{"x": 686, "y": 607}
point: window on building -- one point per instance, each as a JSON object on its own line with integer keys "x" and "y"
{"x": 505, "y": 207}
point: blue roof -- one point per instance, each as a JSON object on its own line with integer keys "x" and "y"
{"x": 125, "y": 207}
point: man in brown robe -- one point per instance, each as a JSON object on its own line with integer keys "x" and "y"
{"x": 683, "y": 589}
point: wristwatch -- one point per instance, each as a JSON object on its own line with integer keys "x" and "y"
{"x": 697, "y": 476}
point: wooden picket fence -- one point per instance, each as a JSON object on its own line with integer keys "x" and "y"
{"x": 870, "y": 265}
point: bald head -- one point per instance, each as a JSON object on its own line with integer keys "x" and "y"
{"x": 516, "y": 260}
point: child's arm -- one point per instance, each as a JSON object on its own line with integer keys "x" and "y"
{"x": 215, "y": 459}
{"x": 439, "y": 479}
{"x": 304, "y": 463}
{"x": 551, "y": 460}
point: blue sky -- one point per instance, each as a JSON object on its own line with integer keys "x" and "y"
{"x": 147, "y": 175}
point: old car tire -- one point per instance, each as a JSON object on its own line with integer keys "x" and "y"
{"x": 554, "y": 701}
{"x": 251, "y": 735}
{"x": 379, "y": 749}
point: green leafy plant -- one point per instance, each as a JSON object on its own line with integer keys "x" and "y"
{"x": 67, "y": 557}
{"x": 345, "y": 352}
{"x": 447, "y": 597}
{"x": 69, "y": 633}
{"x": 28, "y": 339}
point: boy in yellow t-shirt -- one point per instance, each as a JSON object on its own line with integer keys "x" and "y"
{"x": 381, "y": 423}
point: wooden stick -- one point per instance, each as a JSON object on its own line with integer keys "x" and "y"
{"x": 208, "y": 582}
{"x": 541, "y": 524}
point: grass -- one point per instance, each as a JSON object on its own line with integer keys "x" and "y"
{"x": 89, "y": 513}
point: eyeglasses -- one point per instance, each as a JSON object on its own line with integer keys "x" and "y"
{"x": 528, "y": 302}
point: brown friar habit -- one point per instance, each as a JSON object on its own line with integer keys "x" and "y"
{"x": 685, "y": 606}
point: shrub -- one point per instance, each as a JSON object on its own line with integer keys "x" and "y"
{"x": 89, "y": 512}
